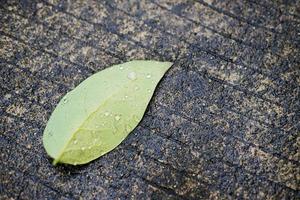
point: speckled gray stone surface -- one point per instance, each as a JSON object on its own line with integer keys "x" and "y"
{"x": 223, "y": 123}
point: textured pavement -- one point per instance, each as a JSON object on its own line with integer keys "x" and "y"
{"x": 224, "y": 123}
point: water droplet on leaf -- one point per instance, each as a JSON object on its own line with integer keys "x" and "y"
{"x": 65, "y": 100}
{"x": 50, "y": 134}
{"x": 128, "y": 128}
{"x": 131, "y": 76}
{"x": 135, "y": 118}
{"x": 148, "y": 76}
{"x": 117, "y": 117}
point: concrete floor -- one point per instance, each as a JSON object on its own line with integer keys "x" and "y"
{"x": 222, "y": 124}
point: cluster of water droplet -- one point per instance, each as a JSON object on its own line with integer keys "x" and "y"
{"x": 131, "y": 76}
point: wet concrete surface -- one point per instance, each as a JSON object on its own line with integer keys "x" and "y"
{"x": 223, "y": 123}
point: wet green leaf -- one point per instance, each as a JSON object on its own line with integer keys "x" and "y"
{"x": 99, "y": 113}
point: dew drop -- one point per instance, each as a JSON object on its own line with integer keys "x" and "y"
{"x": 106, "y": 113}
{"x": 148, "y": 76}
{"x": 128, "y": 128}
{"x": 121, "y": 67}
{"x": 75, "y": 163}
{"x": 89, "y": 147}
{"x": 117, "y": 117}
{"x": 97, "y": 126}
{"x": 125, "y": 97}
{"x": 95, "y": 140}
{"x": 65, "y": 100}
{"x": 50, "y": 134}
{"x": 131, "y": 76}
{"x": 136, "y": 88}
{"x": 148, "y": 90}
{"x": 75, "y": 142}
{"x": 82, "y": 148}
{"x": 135, "y": 118}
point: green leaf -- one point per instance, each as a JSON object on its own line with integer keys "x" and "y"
{"x": 99, "y": 113}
